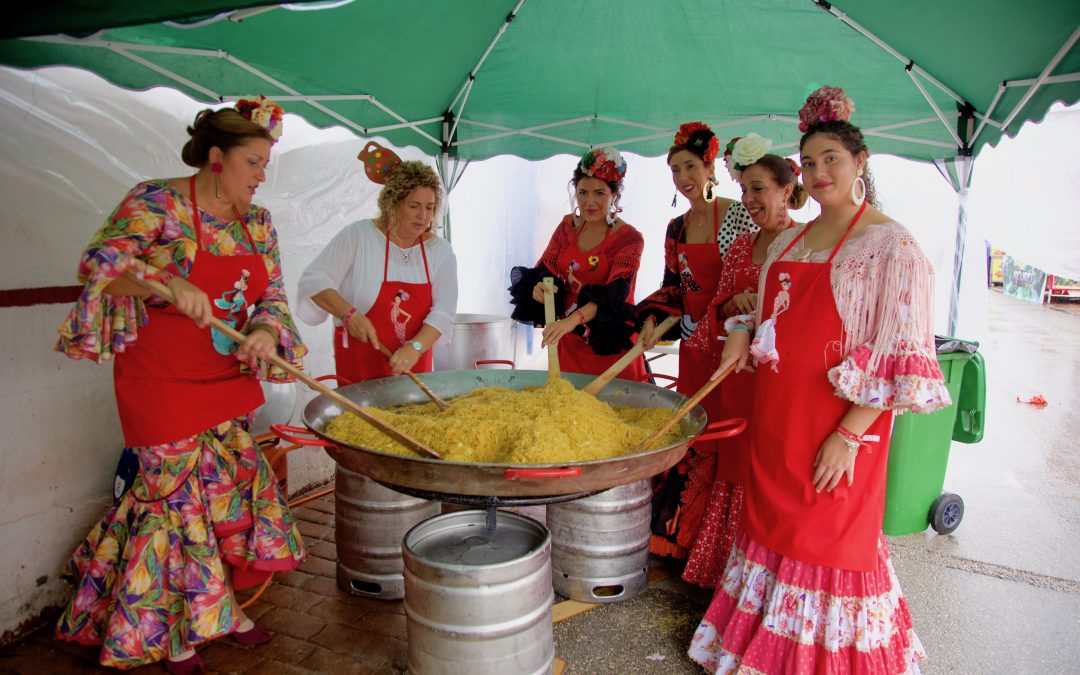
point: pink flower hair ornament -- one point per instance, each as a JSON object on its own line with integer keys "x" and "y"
{"x": 827, "y": 104}
{"x": 264, "y": 112}
{"x": 603, "y": 163}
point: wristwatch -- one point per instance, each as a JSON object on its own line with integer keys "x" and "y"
{"x": 417, "y": 345}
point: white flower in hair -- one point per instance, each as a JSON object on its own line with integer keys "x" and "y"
{"x": 750, "y": 149}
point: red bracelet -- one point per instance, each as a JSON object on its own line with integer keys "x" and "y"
{"x": 581, "y": 318}
{"x": 345, "y": 327}
{"x": 849, "y": 435}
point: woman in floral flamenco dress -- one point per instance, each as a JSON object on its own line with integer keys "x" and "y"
{"x": 809, "y": 587}
{"x": 204, "y": 514}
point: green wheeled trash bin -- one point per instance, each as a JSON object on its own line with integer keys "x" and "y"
{"x": 919, "y": 451}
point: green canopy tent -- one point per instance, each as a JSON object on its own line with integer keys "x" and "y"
{"x": 471, "y": 79}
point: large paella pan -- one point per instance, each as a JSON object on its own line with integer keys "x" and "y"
{"x": 498, "y": 480}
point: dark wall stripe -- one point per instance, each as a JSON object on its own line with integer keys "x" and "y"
{"x": 50, "y": 295}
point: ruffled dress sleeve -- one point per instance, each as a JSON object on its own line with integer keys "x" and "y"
{"x": 101, "y": 325}
{"x": 668, "y": 300}
{"x": 272, "y": 308}
{"x": 894, "y": 366}
{"x": 612, "y": 330}
{"x": 524, "y": 279}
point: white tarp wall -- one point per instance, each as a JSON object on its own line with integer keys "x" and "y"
{"x": 71, "y": 145}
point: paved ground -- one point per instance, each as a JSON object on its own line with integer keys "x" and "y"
{"x": 1000, "y": 595}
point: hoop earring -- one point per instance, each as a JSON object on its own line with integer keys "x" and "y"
{"x": 612, "y": 215}
{"x": 707, "y": 192}
{"x": 576, "y": 216}
{"x": 216, "y": 169}
{"x": 858, "y": 190}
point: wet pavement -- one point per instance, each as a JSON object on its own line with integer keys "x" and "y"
{"x": 999, "y": 595}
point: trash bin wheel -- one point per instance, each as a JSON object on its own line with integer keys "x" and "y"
{"x": 946, "y": 513}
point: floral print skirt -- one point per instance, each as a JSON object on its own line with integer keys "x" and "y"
{"x": 772, "y": 614}
{"x": 150, "y": 578}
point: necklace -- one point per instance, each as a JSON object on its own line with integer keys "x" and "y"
{"x": 405, "y": 253}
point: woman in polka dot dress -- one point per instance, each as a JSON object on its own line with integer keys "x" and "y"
{"x": 695, "y": 244}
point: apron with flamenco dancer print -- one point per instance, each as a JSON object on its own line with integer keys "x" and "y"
{"x": 397, "y": 314}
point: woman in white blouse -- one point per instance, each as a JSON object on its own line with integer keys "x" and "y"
{"x": 389, "y": 281}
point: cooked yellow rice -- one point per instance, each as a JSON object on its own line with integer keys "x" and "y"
{"x": 552, "y": 424}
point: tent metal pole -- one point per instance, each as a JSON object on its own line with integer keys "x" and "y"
{"x": 447, "y": 186}
{"x": 1042, "y": 77}
{"x": 483, "y": 57}
{"x": 402, "y": 125}
{"x": 315, "y": 104}
{"x": 457, "y": 118}
{"x": 989, "y": 111}
{"x": 165, "y": 71}
{"x": 963, "y": 172}
{"x": 379, "y": 104}
{"x": 934, "y": 106}
{"x": 1053, "y": 79}
{"x": 910, "y": 63}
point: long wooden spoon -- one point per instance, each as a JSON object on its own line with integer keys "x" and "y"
{"x": 686, "y": 407}
{"x": 610, "y": 374}
{"x": 163, "y": 291}
{"x": 549, "y": 318}
{"x": 441, "y": 404}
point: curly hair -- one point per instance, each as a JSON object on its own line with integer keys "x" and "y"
{"x": 401, "y": 180}
{"x": 225, "y": 129}
{"x": 851, "y": 137}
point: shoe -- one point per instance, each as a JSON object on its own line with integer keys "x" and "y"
{"x": 192, "y": 665}
{"x": 252, "y": 636}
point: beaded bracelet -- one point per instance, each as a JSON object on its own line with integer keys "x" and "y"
{"x": 742, "y": 326}
{"x": 853, "y": 440}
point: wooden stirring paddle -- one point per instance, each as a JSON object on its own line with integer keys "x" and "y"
{"x": 686, "y": 407}
{"x": 411, "y": 443}
{"x": 549, "y": 318}
{"x": 441, "y": 404}
{"x": 608, "y": 375}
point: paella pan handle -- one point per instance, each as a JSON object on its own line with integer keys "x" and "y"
{"x": 723, "y": 429}
{"x": 162, "y": 291}
{"x": 286, "y": 432}
{"x": 686, "y": 407}
{"x": 611, "y": 373}
{"x": 566, "y": 472}
{"x": 492, "y": 362}
{"x": 336, "y": 378}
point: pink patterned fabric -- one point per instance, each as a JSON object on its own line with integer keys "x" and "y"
{"x": 772, "y": 614}
{"x": 883, "y": 286}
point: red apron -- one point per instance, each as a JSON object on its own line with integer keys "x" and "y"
{"x": 580, "y": 269}
{"x": 398, "y": 313}
{"x": 179, "y": 380}
{"x": 796, "y": 402}
{"x": 699, "y": 268}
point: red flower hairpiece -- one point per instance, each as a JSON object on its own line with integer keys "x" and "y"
{"x": 698, "y": 138}
{"x": 827, "y": 104}
{"x": 795, "y": 167}
{"x": 606, "y": 164}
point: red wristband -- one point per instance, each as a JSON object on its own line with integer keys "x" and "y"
{"x": 849, "y": 435}
{"x": 581, "y": 319}
{"x": 345, "y": 327}
{"x": 347, "y": 316}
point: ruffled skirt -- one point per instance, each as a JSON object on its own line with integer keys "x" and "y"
{"x": 149, "y": 579}
{"x": 777, "y": 615}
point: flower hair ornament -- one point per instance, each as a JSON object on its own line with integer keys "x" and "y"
{"x": 603, "y": 163}
{"x": 795, "y": 168}
{"x": 741, "y": 152}
{"x": 827, "y": 104}
{"x": 698, "y": 138}
{"x": 264, "y": 112}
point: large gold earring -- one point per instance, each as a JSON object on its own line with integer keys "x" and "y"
{"x": 707, "y": 192}
{"x": 216, "y": 168}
